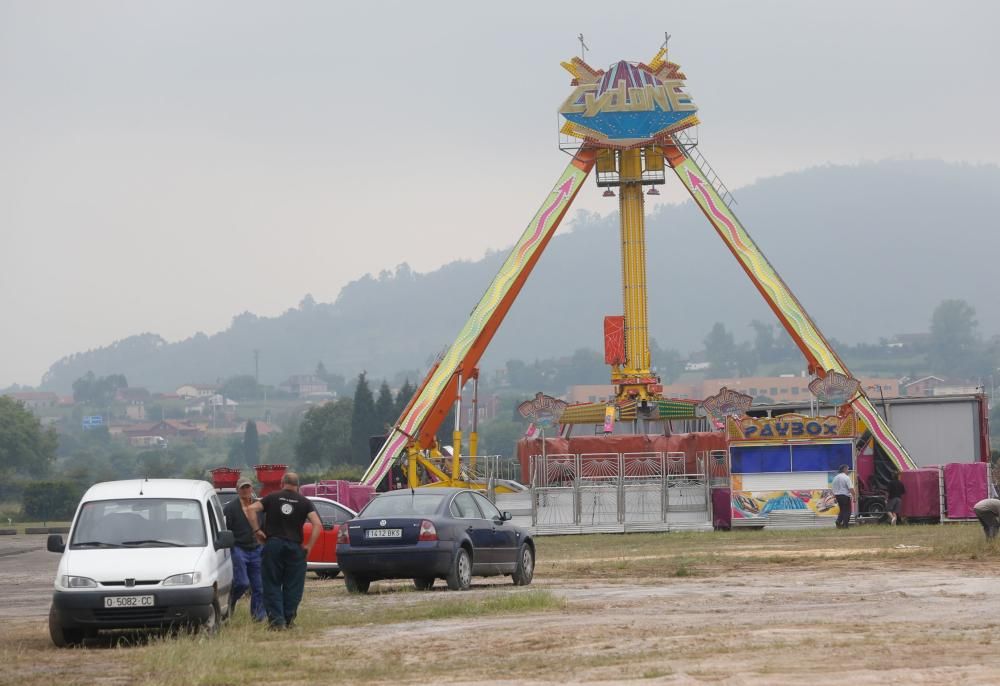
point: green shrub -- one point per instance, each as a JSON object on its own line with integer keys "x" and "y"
{"x": 50, "y": 500}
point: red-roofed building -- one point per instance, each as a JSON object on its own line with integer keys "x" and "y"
{"x": 35, "y": 399}
{"x": 168, "y": 428}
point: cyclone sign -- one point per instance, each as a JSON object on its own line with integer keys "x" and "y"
{"x": 627, "y": 105}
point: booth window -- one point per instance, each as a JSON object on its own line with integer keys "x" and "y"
{"x": 821, "y": 457}
{"x": 760, "y": 459}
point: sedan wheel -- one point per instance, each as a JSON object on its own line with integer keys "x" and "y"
{"x": 525, "y": 570}
{"x": 424, "y": 584}
{"x": 460, "y": 576}
{"x": 356, "y": 584}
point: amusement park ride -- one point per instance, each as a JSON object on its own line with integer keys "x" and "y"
{"x": 631, "y": 122}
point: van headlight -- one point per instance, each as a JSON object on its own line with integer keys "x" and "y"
{"x": 187, "y": 579}
{"x": 69, "y": 581}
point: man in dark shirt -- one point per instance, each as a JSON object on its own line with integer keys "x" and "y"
{"x": 246, "y": 552}
{"x": 284, "y": 561}
{"x": 894, "y": 492}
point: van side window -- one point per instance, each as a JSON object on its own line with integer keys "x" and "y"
{"x": 218, "y": 520}
{"x": 213, "y": 521}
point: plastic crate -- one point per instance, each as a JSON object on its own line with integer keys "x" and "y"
{"x": 225, "y": 477}
{"x": 270, "y": 474}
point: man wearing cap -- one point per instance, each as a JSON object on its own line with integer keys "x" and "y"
{"x": 246, "y": 552}
{"x": 284, "y": 561}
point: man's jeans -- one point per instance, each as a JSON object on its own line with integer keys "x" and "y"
{"x": 990, "y": 522}
{"x": 844, "y": 518}
{"x": 246, "y": 575}
{"x": 284, "y": 573}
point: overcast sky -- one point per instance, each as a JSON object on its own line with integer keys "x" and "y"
{"x": 165, "y": 166}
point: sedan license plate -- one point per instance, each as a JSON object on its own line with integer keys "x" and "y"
{"x": 129, "y": 601}
{"x": 384, "y": 533}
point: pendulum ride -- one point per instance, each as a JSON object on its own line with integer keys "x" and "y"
{"x": 631, "y": 122}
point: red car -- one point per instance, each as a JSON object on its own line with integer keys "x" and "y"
{"x": 323, "y": 558}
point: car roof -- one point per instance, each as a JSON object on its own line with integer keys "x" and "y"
{"x": 450, "y": 490}
{"x": 150, "y": 488}
{"x": 321, "y": 499}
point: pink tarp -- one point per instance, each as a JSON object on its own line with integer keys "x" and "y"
{"x": 334, "y": 489}
{"x": 922, "y": 499}
{"x": 355, "y": 496}
{"x": 722, "y": 508}
{"x": 965, "y": 484}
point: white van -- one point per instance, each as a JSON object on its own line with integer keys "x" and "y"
{"x": 142, "y": 553}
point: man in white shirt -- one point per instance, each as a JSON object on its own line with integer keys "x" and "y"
{"x": 843, "y": 489}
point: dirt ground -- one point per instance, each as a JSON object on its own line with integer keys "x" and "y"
{"x": 876, "y": 621}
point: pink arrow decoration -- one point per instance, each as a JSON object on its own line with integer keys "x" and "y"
{"x": 563, "y": 192}
{"x": 699, "y": 186}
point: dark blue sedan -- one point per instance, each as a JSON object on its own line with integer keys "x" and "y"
{"x": 433, "y": 533}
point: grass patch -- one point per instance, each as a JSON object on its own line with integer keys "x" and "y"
{"x": 656, "y": 673}
{"x": 244, "y": 652}
{"x": 468, "y": 606}
{"x": 678, "y": 555}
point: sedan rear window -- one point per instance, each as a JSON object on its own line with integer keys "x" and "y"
{"x": 403, "y": 505}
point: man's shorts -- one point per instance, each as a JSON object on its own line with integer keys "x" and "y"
{"x": 894, "y": 505}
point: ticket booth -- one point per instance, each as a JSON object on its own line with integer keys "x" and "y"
{"x": 781, "y": 468}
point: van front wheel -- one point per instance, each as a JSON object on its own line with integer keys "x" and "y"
{"x": 63, "y": 637}
{"x": 211, "y": 623}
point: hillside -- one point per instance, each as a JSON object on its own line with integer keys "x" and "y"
{"x": 870, "y": 250}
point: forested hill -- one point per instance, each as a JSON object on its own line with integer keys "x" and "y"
{"x": 870, "y": 250}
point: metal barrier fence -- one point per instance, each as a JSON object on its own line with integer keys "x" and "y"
{"x": 598, "y": 489}
{"x": 718, "y": 461}
{"x": 486, "y": 467}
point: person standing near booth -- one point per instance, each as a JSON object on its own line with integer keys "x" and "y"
{"x": 895, "y": 490}
{"x": 843, "y": 490}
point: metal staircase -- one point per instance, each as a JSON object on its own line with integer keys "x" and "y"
{"x": 689, "y": 144}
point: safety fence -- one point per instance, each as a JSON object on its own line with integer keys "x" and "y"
{"x": 489, "y": 467}
{"x": 598, "y": 489}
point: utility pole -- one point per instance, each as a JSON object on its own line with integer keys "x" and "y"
{"x": 256, "y": 371}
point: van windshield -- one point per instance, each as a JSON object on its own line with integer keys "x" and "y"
{"x": 139, "y": 523}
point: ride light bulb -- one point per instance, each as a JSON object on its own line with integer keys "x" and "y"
{"x": 427, "y": 531}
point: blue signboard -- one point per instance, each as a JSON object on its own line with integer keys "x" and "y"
{"x": 93, "y": 421}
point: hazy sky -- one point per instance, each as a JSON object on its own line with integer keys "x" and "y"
{"x": 165, "y": 166}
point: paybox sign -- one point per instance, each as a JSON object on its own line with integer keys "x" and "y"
{"x": 791, "y": 427}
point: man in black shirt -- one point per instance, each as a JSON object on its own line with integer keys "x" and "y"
{"x": 246, "y": 552}
{"x": 284, "y": 561}
{"x": 894, "y": 502}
